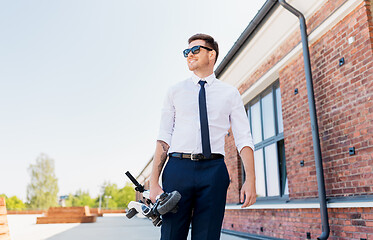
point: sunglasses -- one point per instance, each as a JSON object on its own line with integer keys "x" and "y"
{"x": 195, "y": 50}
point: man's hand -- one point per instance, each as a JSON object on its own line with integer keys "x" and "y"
{"x": 248, "y": 190}
{"x": 155, "y": 191}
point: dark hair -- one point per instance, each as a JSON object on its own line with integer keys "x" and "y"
{"x": 210, "y": 42}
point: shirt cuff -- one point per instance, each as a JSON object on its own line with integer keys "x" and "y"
{"x": 165, "y": 138}
{"x": 241, "y": 146}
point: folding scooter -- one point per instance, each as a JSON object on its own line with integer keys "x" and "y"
{"x": 166, "y": 202}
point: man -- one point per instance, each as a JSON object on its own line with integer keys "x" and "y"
{"x": 196, "y": 116}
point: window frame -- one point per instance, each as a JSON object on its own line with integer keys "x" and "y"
{"x": 278, "y": 139}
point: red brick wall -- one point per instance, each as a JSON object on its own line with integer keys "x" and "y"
{"x": 352, "y": 223}
{"x": 344, "y": 106}
{"x": 233, "y": 162}
{"x": 4, "y": 229}
{"x": 370, "y": 14}
{"x": 297, "y": 132}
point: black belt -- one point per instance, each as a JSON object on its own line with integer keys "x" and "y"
{"x": 196, "y": 157}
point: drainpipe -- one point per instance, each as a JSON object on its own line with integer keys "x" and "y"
{"x": 314, "y": 126}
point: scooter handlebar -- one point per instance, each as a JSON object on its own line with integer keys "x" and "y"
{"x": 139, "y": 187}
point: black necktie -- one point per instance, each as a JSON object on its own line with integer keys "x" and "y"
{"x": 205, "y": 135}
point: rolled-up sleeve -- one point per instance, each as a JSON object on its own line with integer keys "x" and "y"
{"x": 167, "y": 119}
{"x": 240, "y": 124}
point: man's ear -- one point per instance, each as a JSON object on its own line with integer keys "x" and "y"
{"x": 212, "y": 55}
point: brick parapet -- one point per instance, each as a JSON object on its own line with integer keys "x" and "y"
{"x": 4, "y": 228}
{"x": 25, "y": 212}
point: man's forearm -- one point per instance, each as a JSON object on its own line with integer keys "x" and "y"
{"x": 159, "y": 160}
{"x": 248, "y": 191}
{"x": 247, "y": 156}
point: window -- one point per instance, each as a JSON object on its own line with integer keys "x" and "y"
{"x": 265, "y": 116}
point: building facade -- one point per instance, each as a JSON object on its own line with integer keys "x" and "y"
{"x": 268, "y": 69}
{"x": 266, "y": 65}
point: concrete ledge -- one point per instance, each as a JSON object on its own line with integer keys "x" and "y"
{"x": 367, "y": 204}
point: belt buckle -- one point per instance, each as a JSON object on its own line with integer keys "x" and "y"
{"x": 193, "y": 159}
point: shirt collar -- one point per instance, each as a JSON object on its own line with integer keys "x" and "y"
{"x": 210, "y": 79}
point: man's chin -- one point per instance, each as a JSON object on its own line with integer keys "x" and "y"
{"x": 191, "y": 68}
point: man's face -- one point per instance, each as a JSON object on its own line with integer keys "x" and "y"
{"x": 200, "y": 60}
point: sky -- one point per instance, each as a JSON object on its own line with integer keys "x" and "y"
{"x": 83, "y": 81}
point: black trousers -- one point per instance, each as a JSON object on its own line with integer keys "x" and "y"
{"x": 203, "y": 187}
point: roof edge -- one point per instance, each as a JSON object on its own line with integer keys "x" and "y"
{"x": 246, "y": 34}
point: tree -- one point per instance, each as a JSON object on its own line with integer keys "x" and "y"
{"x": 13, "y": 203}
{"x": 117, "y": 198}
{"x": 110, "y": 192}
{"x": 126, "y": 195}
{"x": 43, "y": 188}
{"x": 80, "y": 198}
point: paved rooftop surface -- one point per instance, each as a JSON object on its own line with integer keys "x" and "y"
{"x": 110, "y": 227}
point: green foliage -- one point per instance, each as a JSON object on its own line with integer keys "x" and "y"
{"x": 112, "y": 197}
{"x": 13, "y": 203}
{"x": 126, "y": 195}
{"x": 42, "y": 190}
{"x": 117, "y": 198}
{"x": 80, "y": 198}
{"x": 110, "y": 192}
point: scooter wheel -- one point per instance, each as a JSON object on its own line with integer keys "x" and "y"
{"x": 169, "y": 202}
{"x": 132, "y": 212}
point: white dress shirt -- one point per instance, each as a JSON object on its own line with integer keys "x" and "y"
{"x": 180, "y": 123}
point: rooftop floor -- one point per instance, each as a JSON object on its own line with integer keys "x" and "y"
{"x": 111, "y": 227}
